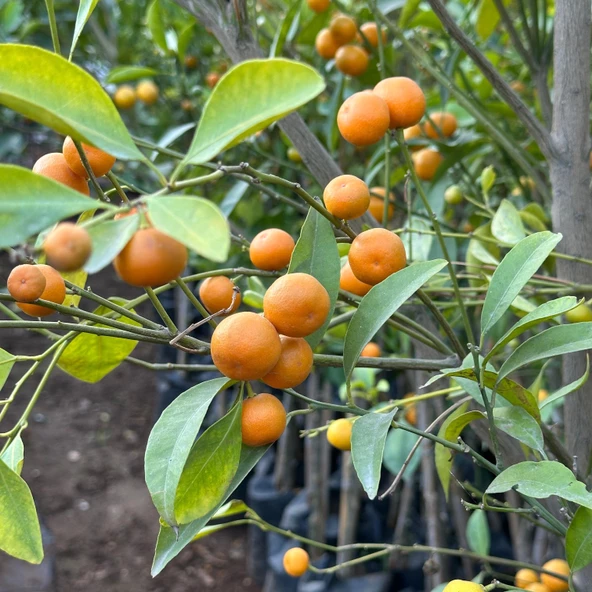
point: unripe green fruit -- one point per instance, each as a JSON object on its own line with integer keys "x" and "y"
{"x": 453, "y": 195}
{"x": 579, "y": 314}
{"x": 294, "y": 155}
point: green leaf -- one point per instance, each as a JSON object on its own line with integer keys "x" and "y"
{"x": 196, "y": 222}
{"x": 543, "y": 313}
{"x": 78, "y": 278}
{"x": 568, "y": 388}
{"x": 380, "y": 303}
{"x": 89, "y": 357}
{"x": 234, "y": 112}
{"x": 20, "y": 535}
{"x": 7, "y": 361}
{"x": 85, "y": 9}
{"x": 290, "y": 20}
{"x": 154, "y": 21}
{"x": 210, "y": 467}
{"x": 171, "y": 543}
{"x": 108, "y": 240}
{"x": 507, "y": 225}
{"x": 171, "y": 440}
{"x": 516, "y": 268}
{"x": 76, "y": 107}
{"x": 398, "y": 446}
{"x": 541, "y": 480}
{"x": 555, "y": 341}
{"x": 443, "y": 455}
{"x": 121, "y": 74}
{"x": 478, "y": 535}
{"x": 30, "y": 203}
{"x": 368, "y": 439}
{"x": 519, "y": 424}
{"x": 14, "y": 455}
{"x": 578, "y": 541}
{"x": 316, "y": 254}
{"x": 408, "y": 12}
{"x": 186, "y": 35}
{"x": 487, "y": 19}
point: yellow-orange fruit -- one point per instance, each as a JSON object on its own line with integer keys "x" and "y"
{"x": 212, "y": 78}
{"x": 371, "y": 350}
{"x": 363, "y": 118}
{"x": 124, "y": 97}
{"x": 370, "y": 31}
{"x": 350, "y": 283}
{"x": 351, "y": 60}
{"x": 26, "y": 283}
{"x": 346, "y": 197}
{"x": 343, "y": 28}
{"x": 537, "y": 587}
{"x": 68, "y": 247}
{"x": 297, "y": 304}
{"x": 376, "y": 207}
{"x": 293, "y": 366}
{"x": 426, "y": 163}
{"x": 151, "y": 258}
{"x": 318, "y": 5}
{"x": 405, "y": 100}
{"x": 245, "y": 346}
{"x": 54, "y": 166}
{"x": 216, "y": 294}
{"x": 376, "y": 254}
{"x": 147, "y": 92}
{"x": 54, "y": 291}
{"x": 271, "y": 249}
{"x": 444, "y": 125}
{"x": 100, "y": 162}
{"x": 191, "y": 62}
{"x": 524, "y": 577}
{"x": 558, "y": 566}
{"x": 411, "y": 133}
{"x": 263, "y": 420}
{"x": 326, "y": 45}
{"x": 296, "y": 562}
{"x": 339, "y": 434}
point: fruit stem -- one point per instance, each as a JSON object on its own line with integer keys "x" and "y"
{"x": 118, "y": 187}
{"x": 162, "y": 313}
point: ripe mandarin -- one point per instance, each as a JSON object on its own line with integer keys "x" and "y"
{"x": 318, "y": 5}
{"x": 363, "y": 118}
{"x": 537, "y": 587}
{"x": 405, "y": 100}
{"x": 296, "y": 562}
{"x": 26, "y": 283}
{"x": 524, "y": 577}
{"x": 212, "y": 78}
{"x": 54, "y": 166}
{"x": 68, "y": 246}
{"x": 371, "y": 350}
{"x": 100, "y": 162}
{"x": 124, "y": 97}
{"x": 147, "y": 92}
{"x": 346, "y": 197}
{"x": 54, "y": 291}
{"x": 440, "y": 124}
{"x": 426, "y": 163}
{"x": 350, "y": 283}
{"x": 326, "y": 45}
{"x": 343, "y": 28}
{"x": 413, "y": 133}
{"x": 351, "y": 60}
{"x": 271, "y": 249}
{"x": 370, "y": 31}
{"x": 339, "y": 433}
{"x": 263, "y": 420}
{"x": 216, "y": 294}
{"x": 376, "y": 207}
{"x": 558, "y": 566}
{"x": 293, "y": 366}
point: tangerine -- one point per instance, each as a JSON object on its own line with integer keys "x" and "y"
{"x": 191, "y": 62}
{"x": 558, "y": 566}
{"x": 293, "y": 366}
{"x": 405, "y": 100}
{"x": 263, "y": 420}
{"x": 370, "y": 31}
{"x": 351, "y": 60}
{"x": 339, "y": 433}
{"x": 212, "y": 78}
{"x": 440, "y": 124}
{"x": 271, "y": 249}
{"x": 100, "y": 162}
{"x": 524, "y": 577}
{"x": 346, "y": 197}
{"x": 350, "y": 283}
{"x": 296, "y": 561}
{"x": 363, "y": 118}
{"x": 68, "y": 246}
{"x": 217, "y": 293}
{"x": 318, "y": 5}
{"x": 426, "y": 162}
{"x": 411, "y": 133}
{"x": 26, "y": 283}
{"x": 124, "y": 97}
{"x": 325, "y": 44}
{"x": 54, "y": 291}
{"x": 147, "y": 92}
{"x": 54, "y": 166}
{"x": 376, "y": 207}
{"x": 537, "y": 587}
{"x": 343, "y": 28}
{"x": 371, "y": 350}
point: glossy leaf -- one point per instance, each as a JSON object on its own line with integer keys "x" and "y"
{"x": 20, "y": 535}
{"x": 578, "y": 541}
{"x": 121, "y": 74}
{"x": 316, "y": 254}
{"x": 507, "y": 225}
{"x": 409, "y": 9}
{"x": 289, "y": 23}
{"x": 516, "y": 268}
{"x": 572, "y": 387}
{"x": 171, "y": 440}
{"x": 398, "y": 445}
{"x": 196, "y": 222}
{"x": 154, "y": 21}
{"x": 519, "y": 424}
{"x": 89, "y": 357}
{"x": 234, "y": 112}
{"x": 543, "y": 313}
{"x": 210, "y": 468}
{"x": 380, "y": 303}
{"x": 85, "y": 9}
{"x": 76, "y": 107}
{"x": 367, "y": 448}
{"x": 171, "y": 543}
{"x": 108, "y": 240}
{"x": 478, "y": 535}
{"x": 78, "y": 278}
{"x": 233, "y": 196}
{"x": 14, "y": 455}
{"x": 30, "y": 203}
{"x": 555, "y": 341}
{"x": 7, "y": 361}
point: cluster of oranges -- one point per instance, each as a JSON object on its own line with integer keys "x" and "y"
{"x": 146, "y": 91}
{"x": 528, "y": 579}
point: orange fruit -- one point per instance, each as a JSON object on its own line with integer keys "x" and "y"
{"x": 405, "y": 100}
{"x": 124, "y": 97}
{"x": 245, "y": 346}
{"x": 296, "y": 562}
{"x": 326, "y": 45}
{"x": 68, "y": 246}
{"x": 26, "y": 283}
{"x": 271, "y": 249}
{"x": 559, "y": 566}
{"x": 54, "y": 166}
{"x": 376, "y": 207}
{"x": 411, "y": 133}
{"x": 363, "y": 118}
{"x": 351, "y": 60}
{"x": 350, "y": 283}
{"x": 543, "y": 394}
{"x": 375, "y": 254}
{"x": 538, "y": 587}
{"x": 444, "y": 125}
{"x": 191, "y": 62}
{"x": 410, "y": 410}
{"x": 100, "y": 162}
{"x": 371, "y": 350}
{"x": 297, "y": 304}
{"x": 54, "y": 291}
{"x": 147, "y": 92}
{"x": 370, "y": 31}
{"x": 186, "y": 105}
{"x": 150, "y": 258}
{"x": 339, "y": 434}
{"x": 212, "y": 78}
{"x": 426, "y": 162}
{"x": 343, "y": 28}
{"x": 318, "y": 5}
{"x": 524, "y": 577}
{"x": 263, "y": 419}
{"x": 216, "y": 294}
{"x": 518, "y": 86}
{"x": 293, "y": 366}
{"x": 346, "y": 197}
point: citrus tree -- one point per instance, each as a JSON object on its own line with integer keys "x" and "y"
{"x": 417, "y": 179}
